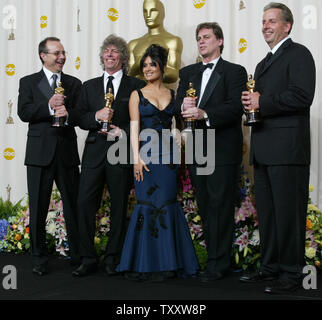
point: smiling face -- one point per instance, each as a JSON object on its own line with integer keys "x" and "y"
{"x": 151, "y": 70}
{"x": 208, "y": 44}
{"x": 274, "y": 29}
{"x": 54, "y": 58}
{"x": 112, "y": 59}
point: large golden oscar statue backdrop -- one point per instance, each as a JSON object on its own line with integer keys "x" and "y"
{"x": 154, "y": 13}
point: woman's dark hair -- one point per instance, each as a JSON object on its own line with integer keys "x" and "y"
{"x": 157, "y": 54}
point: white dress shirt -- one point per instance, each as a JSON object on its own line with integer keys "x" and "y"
{"x": 116, "y": 81}
{"x": 116, "y": 84}
{"x": 49, "y": 76}
{"x": 204, "y": 81}
{"x": 279, "y": 44}
{"x": 205, "y": 77}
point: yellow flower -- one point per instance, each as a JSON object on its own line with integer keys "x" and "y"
{"x": 310, "y": 252}
{"x": 19, "y": 245}
{"x": 311, "y": 188}
{"x": 104, "y": 221}
{"x": 309, "y": 224}
{"x": 312, "y": 207}
{"x": 196, "y": 218}
{"x": 18, "y": 237}
{"x": 97, "y": 240}
{"x": 26, "y": 236}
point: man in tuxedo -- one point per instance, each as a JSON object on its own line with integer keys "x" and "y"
{"x": 218, "y": 107}
{"x": 280, "y": 150}
{"x": 51, "y": 153}
{"x": 97, "y": 168}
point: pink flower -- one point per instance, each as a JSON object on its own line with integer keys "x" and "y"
{"x": 247, "y": 210}
{"x": 242, "y": 241}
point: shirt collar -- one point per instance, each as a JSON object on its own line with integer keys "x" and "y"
{"x": 279, "y": 44}
{"x": 214, "y": 62}
{"x": 117, "y": 75}
{"x": 49, "y": 74}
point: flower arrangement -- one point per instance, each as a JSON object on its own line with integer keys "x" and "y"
{"x": 189, "y": 205}
{"x": 313, "y": 243}
{"x": 14, "y": 229}
{"x": 56, "y": 234}
{"x": 14, "y": 233}
{"x": 245, "y": 253}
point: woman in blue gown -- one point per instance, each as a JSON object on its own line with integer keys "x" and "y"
{"x": 158, "y": 244}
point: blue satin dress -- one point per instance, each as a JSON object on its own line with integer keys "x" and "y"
{"x": 158, "y": 237}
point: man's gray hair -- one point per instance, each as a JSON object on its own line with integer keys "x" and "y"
{"x": 286, "y": 14}
{"x": 121, "y": 45}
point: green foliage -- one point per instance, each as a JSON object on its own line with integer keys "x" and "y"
{"x": 8, "y": 209}
{"x": 100, "y": 245}
{"x": 201, "y": 253}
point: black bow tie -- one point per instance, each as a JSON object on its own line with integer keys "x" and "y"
{"x": 203, "y": 67}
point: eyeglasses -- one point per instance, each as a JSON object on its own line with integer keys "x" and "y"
{"x": 57, "y": 53}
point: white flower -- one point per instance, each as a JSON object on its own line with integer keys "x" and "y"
{"x": 51, "y": 228}
{"x": 51, "y": 215}
{"x": 254, "y": 241}
{"x": 310, "y": 252}
{"x": 20, "y": 228}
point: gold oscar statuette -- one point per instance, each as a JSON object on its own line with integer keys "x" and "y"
{"x": 252, "y": 116}
{"x": 11, "y": 35}
{"x": 78, "y": 25}
{"x": 242, "y": 5}
{"x": 109, "y": 98}
{"x": 8, "y": 192}
{"x": 190, "y": 123}
{"x": 10, "y": 119}
{"x": 59, "y": 121}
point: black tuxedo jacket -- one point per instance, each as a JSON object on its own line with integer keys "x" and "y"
{"x": 34, "y": 94}
{"x": 91, "y": 100}
{"x": 286, "y": 85}
{"x": 221, "y": 101}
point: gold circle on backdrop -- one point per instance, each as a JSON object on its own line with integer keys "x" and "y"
{"x": 43, "y": 22}
{"x": 9, "y": 153}
{"x": 199, "y": 3}
{"x": 10, "y": 69}
{"x": 112, "y": 14}
{"x": 77, "y": 63}
{"x": 242, "y": 45}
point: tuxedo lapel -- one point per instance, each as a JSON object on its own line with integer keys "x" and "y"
{"x": 122, "y": 88}
{"x": 44, "y": 86}
{"x": 99, "y": 92}
{"x": 274, "y": 57}
{"x": 214, "y": 79}
{"x": 196, "y": 79}
{"x": 121, "y": 91}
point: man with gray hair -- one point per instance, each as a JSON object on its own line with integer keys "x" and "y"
{"x": 280, "y": 150}
{"x": 96, "y": 169}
